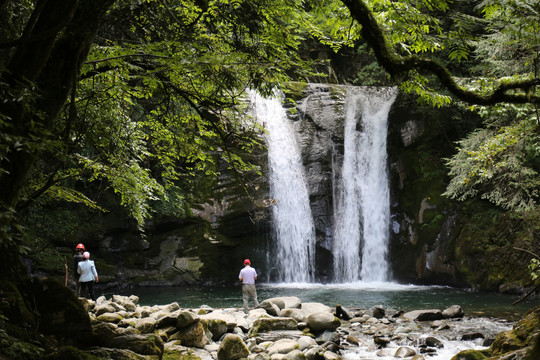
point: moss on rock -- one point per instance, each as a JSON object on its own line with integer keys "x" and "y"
{"x": 70, "y": 353}
{"x": 471, "y": 355}
{"x": 520, "y": 336}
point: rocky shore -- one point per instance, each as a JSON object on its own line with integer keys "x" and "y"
{"x": 282, "y": 328}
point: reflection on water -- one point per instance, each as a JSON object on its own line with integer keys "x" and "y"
{"x": 352, "y": 295}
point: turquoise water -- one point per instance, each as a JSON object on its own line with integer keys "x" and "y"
{"x": 352, "y": 295}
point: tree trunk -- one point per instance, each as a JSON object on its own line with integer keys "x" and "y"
{"x": 38, "y": 78}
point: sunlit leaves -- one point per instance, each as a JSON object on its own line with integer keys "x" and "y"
{"x": 499, "y": 163}
{"x": 160, "y": 102}
{"x": 419, "y": 85}
{"x": 329, "y": 22}
{"x": 512, "y": 42}
{"x": 534, "y": 268}
{"x": 132, "y": 183}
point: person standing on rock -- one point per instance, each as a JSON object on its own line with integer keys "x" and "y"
{"x": 247, "y": 276}
{"x": 87, "y": 270}
{"x": 78, "y": 257}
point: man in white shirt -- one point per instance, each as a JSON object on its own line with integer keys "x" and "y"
{"x": 247, "y": 276}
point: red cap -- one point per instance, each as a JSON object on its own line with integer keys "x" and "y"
{"x": 79, "y": 247}
{"x": 247, "y": 262}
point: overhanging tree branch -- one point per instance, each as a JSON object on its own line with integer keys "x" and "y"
{"x": 399, "y": 66}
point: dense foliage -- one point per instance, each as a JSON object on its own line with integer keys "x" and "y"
{"x": 157, "y": 107}
{"x": 145, "y": 97}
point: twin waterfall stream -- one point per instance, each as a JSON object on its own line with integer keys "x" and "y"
{"x": 361, "y": 205}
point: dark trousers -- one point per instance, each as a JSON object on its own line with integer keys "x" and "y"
{"x": 88, "y": 285}
{"x": 77, "y": 287}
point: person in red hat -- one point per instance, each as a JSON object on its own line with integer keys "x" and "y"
{"x": 76, "y": 259}
{"x": 247, "y": 276}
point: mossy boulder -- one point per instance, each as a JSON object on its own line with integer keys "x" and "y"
{"x": 217, "y": 327}
{"x": 16, "y": 349}
{"x": 71, "y": 353}
{"x": 61, "y": 312}
{"x": 193, "y": 335}
{"x": 232, "y": 347}
{"x": 274, "y": 323}
{"x": 140, "y": 344}
{"x": 17, "y": 316}
{"x": 472, "y": 355}
{"x": 520, "y": 336}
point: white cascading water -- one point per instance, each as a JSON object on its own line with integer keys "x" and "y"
{"x": 292, "y": 218}
{"x": 362, "y": 208}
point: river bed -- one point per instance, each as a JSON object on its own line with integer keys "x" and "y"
{"x": 485, "y": 313}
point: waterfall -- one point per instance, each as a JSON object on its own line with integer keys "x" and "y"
{"x": 362, "y": 202}
{"x": 292, "y": 219}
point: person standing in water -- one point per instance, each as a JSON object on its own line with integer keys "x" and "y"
{"x": 247, "y": 276}
{"x": 88, "y": 273}
{"x": 78, "y": 257}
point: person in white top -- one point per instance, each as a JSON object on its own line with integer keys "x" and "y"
{"x": 88, "y": 273}
{"x": 247, "y": 276}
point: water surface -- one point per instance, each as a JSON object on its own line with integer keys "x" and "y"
{"x": 358, "y": 295}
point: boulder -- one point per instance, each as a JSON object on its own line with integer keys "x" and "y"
{"x": 268, "y": 324}
{"x": 454, "y": 311}
{"x": 231, "y": 348}
{"x": 230, "y": 320}
{"x": 404, "y": 352}
{"x": 279, "y": 302}
{"x": 145, "y": 326}
{"x": 343, "y": 313}
{"x": 424, "y": 315}
{"x": 103, "y": 332}
{"x": 296, "y": 355}
{"x": 296, "y": 314}
{"x": 269, "y": 307}
{"x": 381, "y": 341}
{"x": 291, "y": 302}
{"x": 171, "y": 307}
{"x": 315, "y": 353}
{"x": 321, "y": 321}
{"x": 434, "y": 342}
{"x": 328, "y": 338}
{"x": 186, "y": 318}
{"x": 259, "y": 356}
{"x": 310, "y": 308}
{"x": 305, "y": 342}
{"x": 124, "y": 301}
{"x": 116, "y": 354}
{"x": 405, "y": 328}
{"x": 283, "y": 346}
{"x": 193, "y": 335}
{"x": 377, "y": 311}
{"x": 217, "y": 327}
{"x": 329, "y": 355}
{"x": 351, "y": 339}
{"x": 110, "y": 317}
{"x": 167, "y": 319}
{"x": 104, "y": 308}
{"x": 141, "y": 344}
{"x": 472, "y": 336}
